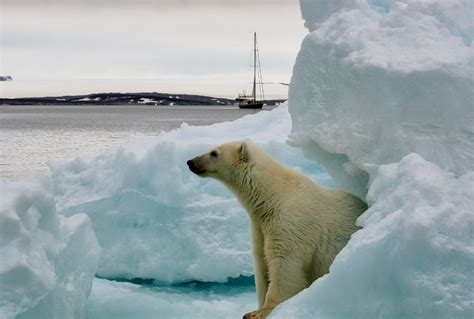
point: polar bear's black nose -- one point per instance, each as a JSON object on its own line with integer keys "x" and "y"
{"x": 192, "y": 166}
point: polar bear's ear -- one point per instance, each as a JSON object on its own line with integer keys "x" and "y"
{"x": 244, "y": 152}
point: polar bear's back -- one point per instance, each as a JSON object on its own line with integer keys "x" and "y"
{"x": 323, "y": 219}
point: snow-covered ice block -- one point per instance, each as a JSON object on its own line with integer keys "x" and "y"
{"x": 154, "y": 218}
{"x": 414, "y": 256}
{"x": 376, "y": 80}
{"x": 47, "y": 261}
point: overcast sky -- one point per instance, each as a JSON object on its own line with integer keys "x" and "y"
{"x": 154, "y": 2}
{"x": 188, "y": 46}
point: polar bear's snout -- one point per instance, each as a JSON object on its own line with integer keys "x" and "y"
{"x": 195, "y": 166}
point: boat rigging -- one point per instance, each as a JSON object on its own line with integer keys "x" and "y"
{"x": 251, "y": 101}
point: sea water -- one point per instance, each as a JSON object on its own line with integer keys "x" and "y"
{"x": 32, "y": 135}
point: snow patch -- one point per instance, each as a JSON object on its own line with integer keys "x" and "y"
{"x": 145, "y": 100}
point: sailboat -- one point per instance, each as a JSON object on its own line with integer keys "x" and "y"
{"x": 251, "y": 101}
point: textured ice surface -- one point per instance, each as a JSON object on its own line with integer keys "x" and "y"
{"x": 412, "y": 259}
{"x": 154, "y": 218}
{"x": 47, "y": 261}
{"x": 377, "y": 80}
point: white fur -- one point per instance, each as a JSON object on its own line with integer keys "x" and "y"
{"x": 297, "y": 226}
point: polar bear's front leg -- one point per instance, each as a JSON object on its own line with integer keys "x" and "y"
{"x": 287, "y": 278}
{"x": 259, "y": 265}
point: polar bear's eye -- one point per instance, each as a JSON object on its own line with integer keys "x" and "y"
{"x": 213, "y": 154}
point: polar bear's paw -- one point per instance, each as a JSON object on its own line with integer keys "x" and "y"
{"x": 258, "y": 314}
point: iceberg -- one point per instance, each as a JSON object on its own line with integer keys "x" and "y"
{"x": 47, "y": 261}
{"x": 377, "y": 80}
{"x": 381, "y": 95}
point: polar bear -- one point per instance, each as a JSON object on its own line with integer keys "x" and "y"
{"x": 297, "y": 226}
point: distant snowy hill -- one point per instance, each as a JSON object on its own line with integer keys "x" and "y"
{"x": 125, "y": 98}
{"x": 122, "y": 98}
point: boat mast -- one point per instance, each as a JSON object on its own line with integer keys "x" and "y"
{"x": 254, "y": 89}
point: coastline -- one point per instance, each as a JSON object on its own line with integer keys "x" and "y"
{"x": 146, "y": 98}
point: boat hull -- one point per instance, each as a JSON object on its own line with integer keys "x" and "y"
{"x": 257, "y": 105}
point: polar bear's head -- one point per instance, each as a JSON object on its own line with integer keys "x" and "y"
{"x": 223, "y": 162}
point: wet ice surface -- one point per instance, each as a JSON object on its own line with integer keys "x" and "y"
{"x": 125, "y": 300}
{"x": 32, "y": 135}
